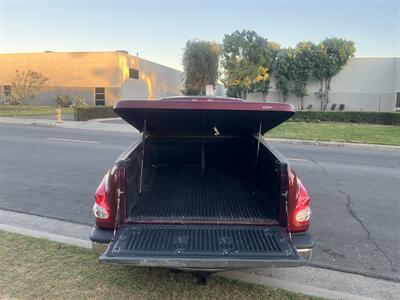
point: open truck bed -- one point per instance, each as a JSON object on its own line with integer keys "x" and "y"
{"x": 202, "y": 190}
{"x": 189, "y": 194}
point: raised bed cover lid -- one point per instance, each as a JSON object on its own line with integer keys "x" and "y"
{"x": 203, "y": 115}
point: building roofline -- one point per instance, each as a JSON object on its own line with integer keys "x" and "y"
{"x": 123, "y": 52}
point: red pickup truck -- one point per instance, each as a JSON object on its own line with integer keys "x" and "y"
{"x": 201, "y": 189}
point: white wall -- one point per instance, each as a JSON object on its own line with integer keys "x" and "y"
{"x": 368, "y": 84}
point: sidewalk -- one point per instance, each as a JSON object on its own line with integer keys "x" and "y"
{"x": 116, "y": 124}
{"x": 97, "y": 124}
{"x": 307, "y": 280}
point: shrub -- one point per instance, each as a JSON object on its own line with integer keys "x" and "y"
{"x": 63, "y": 101}
{"x": 309, "y": 107}
{"x": 80, "y": 102}
{"x": 341, "y": 107}
{"x": 383, "y": 118}
{"x": 333, "y": 106}
{"x": 93, "y": 112}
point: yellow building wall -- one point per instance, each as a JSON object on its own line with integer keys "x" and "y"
{"x": 67, "y": 69}
{"x": 155, "y": 80}
{"x": 78, "y": 73}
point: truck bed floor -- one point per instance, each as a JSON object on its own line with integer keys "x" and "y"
{"x": 187, "y": 193}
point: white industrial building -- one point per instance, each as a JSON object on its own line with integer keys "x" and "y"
{"x": 364, "y": 84}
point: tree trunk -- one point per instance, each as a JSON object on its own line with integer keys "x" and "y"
{"x": 301, "y": 103}
{"x": 244, "y": 94}
{"x": 321, "y": 91}
{"x": 326, "y": 95}
{"x": 328, "y": 87}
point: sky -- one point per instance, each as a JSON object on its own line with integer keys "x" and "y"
{"x": 158, "y": 30}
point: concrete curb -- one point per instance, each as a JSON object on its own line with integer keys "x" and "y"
{"x": 88, "y": 125}
{"x": 101, "y": 124}
{"x": 46, "y": 235}
{"x": 333, "y": 144}
{"x": 291, "y": 286}
{"x": 306, "y": 280}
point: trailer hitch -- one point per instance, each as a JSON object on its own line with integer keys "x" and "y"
{"x": 201, "y": 277}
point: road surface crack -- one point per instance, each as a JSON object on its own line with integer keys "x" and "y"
{"x": 349, "y": 205}
{"x": 317, "y": 164}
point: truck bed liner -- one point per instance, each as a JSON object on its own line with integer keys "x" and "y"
{"x": 187, "y": 194}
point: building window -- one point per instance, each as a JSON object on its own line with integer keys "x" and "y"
{"x": 7, "y": 91}
{"x": 100, "y": 96}
{"x": 398, "y": 100}
{"x": 134, "y": 73}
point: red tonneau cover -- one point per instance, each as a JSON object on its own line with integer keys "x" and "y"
{"x": 203, "y": 115}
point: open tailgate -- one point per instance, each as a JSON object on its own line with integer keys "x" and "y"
{"x": 202, "y": 247}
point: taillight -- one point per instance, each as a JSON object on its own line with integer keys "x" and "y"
{"x": 104, "y": 205}
{"x": 110, "y": 199}
{"x": 299, "y": 205}
{"x": 302, "y": 212}
{"x": 101, "y": 207}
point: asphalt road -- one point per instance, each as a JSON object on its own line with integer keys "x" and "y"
{"x": 355, "y": 192}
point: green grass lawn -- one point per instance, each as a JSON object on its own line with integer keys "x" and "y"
{"x": 36, "y": 268}
{"x": 340, "y": 132}
{"x": 28, "y": 110}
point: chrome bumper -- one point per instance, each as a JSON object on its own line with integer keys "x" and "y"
{"x": 305, "y": 253}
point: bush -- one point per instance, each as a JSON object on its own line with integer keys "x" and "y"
{"x": 383, "y": 118}
{"x": 93, "y": 112}
{"x": 80, "y": 102}
{"x": 333, "y": 106}
{"x": 63, "y": 101}
{"x": 341, "y": 107}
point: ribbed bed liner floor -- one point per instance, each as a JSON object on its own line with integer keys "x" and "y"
{"x": 186, "y": 193}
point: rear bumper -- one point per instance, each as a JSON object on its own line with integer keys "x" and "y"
{"x": 203, "y": 264}
{"x": 100, "y": 239}
{"x": 303, "y": 240}
{"x": 101, "y": 236}
{"x": 304, "y": 243}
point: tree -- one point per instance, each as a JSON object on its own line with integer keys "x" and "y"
{"x": 271, "y": 51}
{"x": 200, "y": 65}
{"x": 25, "y": 86}
{"x": 329, "y": 58}
{"x": 284, "y": 70}
{"x": 244, "y": 62}
{"x": 303, "y": 66}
